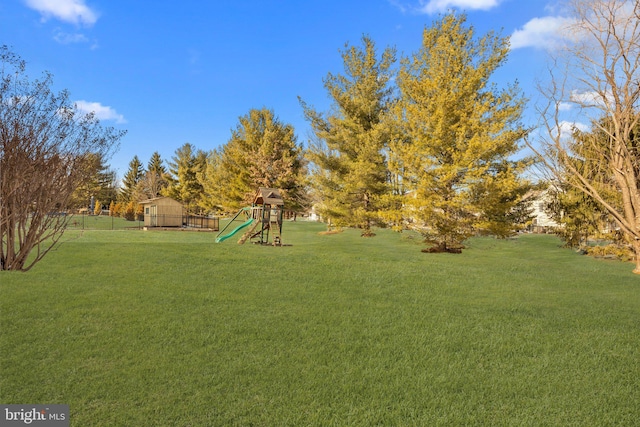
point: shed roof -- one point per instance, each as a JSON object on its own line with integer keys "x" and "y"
{"x": 156, "y": 199}
{"x": 268, "y": 196}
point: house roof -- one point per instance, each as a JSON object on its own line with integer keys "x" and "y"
{"x": 268, "y": 196}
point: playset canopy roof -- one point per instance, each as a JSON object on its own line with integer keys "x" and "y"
{"x": 268, "y": 196}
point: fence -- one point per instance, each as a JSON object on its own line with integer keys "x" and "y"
{"x": 84, "y": 221}
{"x": 196, "y": 221}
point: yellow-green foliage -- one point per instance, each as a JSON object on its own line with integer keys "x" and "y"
{"x": 131, "y": 179}
{"x": 579, "y": 214}
{"x": 457, "y": 132}
{"x": 350, "y": 174}
{"x": 129, "y": 211}
{"x": 117, "y": 209}
{"x": 262, "y": 152}
{"x": 97, "y": 209}
{"x": 184, "y": 185}
{"x": 139, "y": 212}
{"x": 614, "y": 251}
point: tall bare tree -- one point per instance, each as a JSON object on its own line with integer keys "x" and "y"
{"x": 591, "y": 118}
{"x": 47, "y": 150}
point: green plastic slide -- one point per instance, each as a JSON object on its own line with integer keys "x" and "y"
{"x": 235, "y": 230}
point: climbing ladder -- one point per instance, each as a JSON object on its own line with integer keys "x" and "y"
{"x": 275, "y": 229}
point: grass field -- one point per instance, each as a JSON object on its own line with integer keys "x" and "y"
{"x": 134, "y": 328}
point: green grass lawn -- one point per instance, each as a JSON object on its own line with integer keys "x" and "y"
{"x": 135, "y": 328}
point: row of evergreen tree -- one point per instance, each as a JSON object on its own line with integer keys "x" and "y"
{"x": 262, "y": 152}
{"x": 428, "y": 141}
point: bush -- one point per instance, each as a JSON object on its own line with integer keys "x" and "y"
{"x": 139, "y": 212}
{"x": 129, "y": 211}
{"x": 97, "y": 210}
{"x": 611, "y": 251}
{"x": 117, "y": 209}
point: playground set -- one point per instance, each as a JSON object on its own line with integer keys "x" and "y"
{"x": 263, "y": 219}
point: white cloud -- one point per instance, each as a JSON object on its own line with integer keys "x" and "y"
{"x": 592, "y": 99}
{"x": 72, "y": 11}
{"x": 435, "y": 6}
{"x": 567, "y": 128}
{"x": 68, "y": 38}
{"x": 565, "y": 106}
{"x": 399, "y": 5}
{"x": 544, "y": 33}
{"x": 102, "y": 112}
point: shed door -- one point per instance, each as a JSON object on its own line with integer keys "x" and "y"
{"x": 153, "y": 216}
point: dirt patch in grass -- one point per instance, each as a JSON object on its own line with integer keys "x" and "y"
{"x": 440, "y": 249}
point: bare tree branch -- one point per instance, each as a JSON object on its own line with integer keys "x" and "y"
{"x": 46, "y": 148}
{"x": 590, "y": 129}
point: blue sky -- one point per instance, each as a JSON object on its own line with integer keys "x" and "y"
{"x": 172, "y": 72}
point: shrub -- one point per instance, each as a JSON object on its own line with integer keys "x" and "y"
{"x": 97, "y": 210}
{"x": 129, "y": 211}
{"x": 117, "y": 209}
{"x": 139, "y": 212}
{"x": 611, "y": 251}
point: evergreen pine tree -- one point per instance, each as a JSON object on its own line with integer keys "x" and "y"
{"x": 131, "y": 178}
{"x": 349, "y": 173}
{"x": 156, "y": 164}
{"x": 457, "y": 134}
{"x": 262, "y": 152}
{"x": 100, "y": 183}
{"x": 154, "y": 180}
{"x": 184, "y": 185}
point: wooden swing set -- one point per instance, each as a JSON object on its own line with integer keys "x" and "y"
{"x": 263, "y": 217}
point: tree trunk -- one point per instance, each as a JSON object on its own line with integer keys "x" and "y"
{"x": 636, "y": 253}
